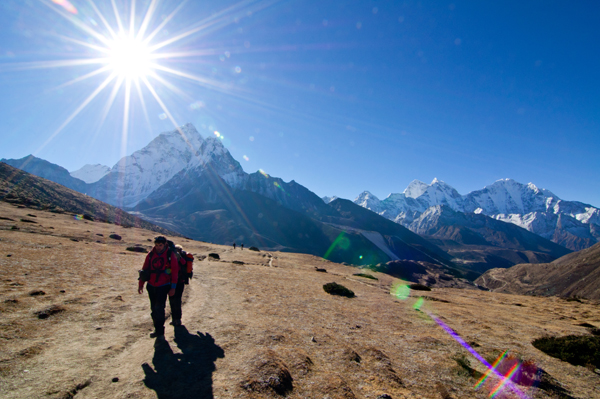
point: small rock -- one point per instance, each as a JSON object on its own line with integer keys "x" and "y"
{"x": 214, "y": 256}
{"x": 115, "y": 236}
{"x": 384, "y": 396}
{"x": 37, "y": 292}
{"x": 62, "y": 291}
{"x": 312, "y": 339}
{"x": 115, "y": 379}
{"x": 74, "y": 239}
{"x": 9, "y": 255}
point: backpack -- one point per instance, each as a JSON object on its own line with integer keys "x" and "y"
{"x": 184, "y": 260}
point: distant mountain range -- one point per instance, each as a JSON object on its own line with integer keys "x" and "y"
{"x": 572, "y": 224}
{"x": 193, "y": 185}
{"x": 91, "y": 173}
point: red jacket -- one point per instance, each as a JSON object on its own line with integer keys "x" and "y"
{"x": 161, "y": 273}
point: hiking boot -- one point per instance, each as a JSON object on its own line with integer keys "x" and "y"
{"x": 157, "y": 334}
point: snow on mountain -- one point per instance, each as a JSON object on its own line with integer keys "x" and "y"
{"x": 91, "y": 173}
{"x": 327, "y": 199}
{"x": 524, "y": 205}
{"x": 415, "y": 189}
{"x": 135, "y": 176}
{"x": 369, "y": 201}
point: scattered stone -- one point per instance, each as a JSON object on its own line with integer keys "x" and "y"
{"x": 115, "y": 379}
{"x": 338, "y": 289}
{"x": 9, "y": 255}
{"x": 137, "y": 248}
{"x": 384, "y": 396}
{"x": 119, "y": 298}
{"x": 312, "y": 339}
{"x": 28, "y": 221}
{"x": 32, "y": 215}
{"x": 74, "y": 239}
{"x": 101, "y": 235}
{"x": 62, "y": 291}
{"x": 36, "y": 293}
{"x": 49, "y": 311}
{"x": 11, "y": 301}
{"x": 320, "y": 269}
{"x": 237, "y": 262}
{"x": 88, "y": 217}
{"x": 3, "y": 218}
{"x": 214, "y": 256}
{"x": 254, "y": 249}
{"x": 14, "y": 228}
{"x": 115, "y": 236}
{"x": 98, "y": 328}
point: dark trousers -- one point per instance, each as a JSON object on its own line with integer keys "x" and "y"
{"x": 158, "y": 300}
{"x": 175, "y": 302}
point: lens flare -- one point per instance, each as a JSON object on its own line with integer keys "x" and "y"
{"x": 341, "y": 242}
{"x": 78, "y": 217}
{"x": 400, "y": 291}
{"x": 246, "y": 158}
{"x": 262, "y": 172}
{"x": 66, "y": 5}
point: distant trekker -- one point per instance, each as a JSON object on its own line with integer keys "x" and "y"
{"x": 234, "y": 245}
{"x": 242, "y": 246}
{"x": 185, "y": 274}
{"x": 161, "y": 271}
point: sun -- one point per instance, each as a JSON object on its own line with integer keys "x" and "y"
{"x": 129, "y": 58}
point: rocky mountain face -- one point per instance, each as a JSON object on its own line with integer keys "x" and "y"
{"x": 476, "y": 241}
{"x": 571, "y": 224}
{"x": 193, "y": 185}
{"x": 91, "y": 173}
{"x": 573, "y": 275}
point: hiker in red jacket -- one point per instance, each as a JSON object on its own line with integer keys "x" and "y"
{"x": 161, "y": 271}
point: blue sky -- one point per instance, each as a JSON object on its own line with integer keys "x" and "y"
{"x": 340, "y": 96}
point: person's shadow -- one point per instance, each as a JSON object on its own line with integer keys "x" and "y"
{"x": 185, "y": 375}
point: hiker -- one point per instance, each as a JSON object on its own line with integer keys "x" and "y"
{"x": 242, "y": 246}
{"x": 185, "y": 273}
{"x": 161, "y": 271}
{"x": 234, "y": 245}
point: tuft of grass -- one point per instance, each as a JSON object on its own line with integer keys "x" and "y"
{"x": 366, "y": 275}
{"x": 338, "y": 289}
{"x": 579, "y": 350}
{"x": 115, "y": 236}
{"x": 254, "y": 249}
{"x": 214, "y": 255}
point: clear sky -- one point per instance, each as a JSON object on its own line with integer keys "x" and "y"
{"x": 340, "y": 96}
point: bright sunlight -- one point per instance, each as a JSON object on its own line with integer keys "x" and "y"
{"x": 129, "y": 58}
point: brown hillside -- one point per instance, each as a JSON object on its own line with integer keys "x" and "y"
{"x": 22, "y": 188}
{"x": 573, "y": 275}
{"x": 257, "y": 325}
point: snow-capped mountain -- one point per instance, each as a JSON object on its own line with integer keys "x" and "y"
{"x": 569, "y": 223}
{"x": 135, "y": 176}
{"x": 91, "y": 173}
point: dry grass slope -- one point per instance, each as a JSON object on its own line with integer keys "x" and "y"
{"x": 256, "y": 325}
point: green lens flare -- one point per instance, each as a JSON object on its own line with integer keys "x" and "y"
{"x": 400, "y": 291}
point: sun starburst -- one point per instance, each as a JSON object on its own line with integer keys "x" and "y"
{"x": 131, "y": 57}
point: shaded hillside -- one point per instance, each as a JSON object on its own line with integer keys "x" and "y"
{"x": 47, "y": 170}
{"x": 19, "y": 187}
{"x": 575, "y": 274}
{"x": 202, "y": 206}
{"x": 209, "y": 210}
